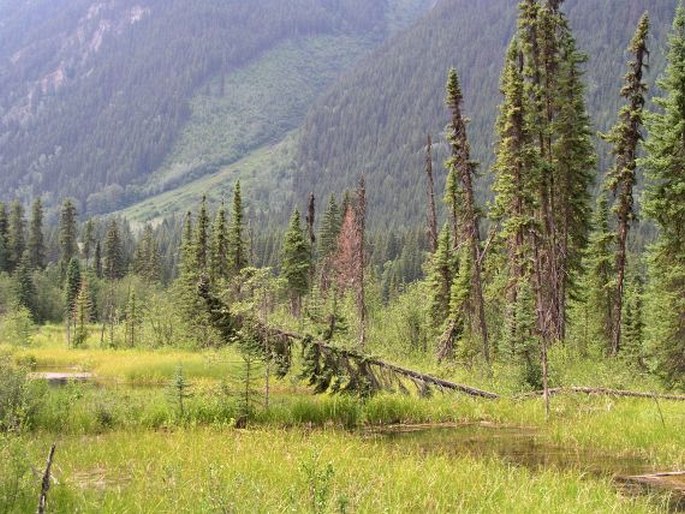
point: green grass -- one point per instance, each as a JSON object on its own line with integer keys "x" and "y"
{"x": 274, "y": 470}
{"x": 124, "y": 445}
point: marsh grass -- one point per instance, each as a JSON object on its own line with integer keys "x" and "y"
{"x": 276, "y": 470}
{"x": 124, "y": 445}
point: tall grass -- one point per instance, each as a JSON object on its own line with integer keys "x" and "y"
{"x": 211, "y": 470}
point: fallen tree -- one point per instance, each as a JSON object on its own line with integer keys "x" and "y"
{"x": 604, "y": 391}
{"x": 326, "y": 367}
{"x": 331, "y": 368}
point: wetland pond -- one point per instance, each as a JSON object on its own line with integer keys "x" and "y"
{"x": 522, "y": 446}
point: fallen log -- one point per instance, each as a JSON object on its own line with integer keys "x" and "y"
{"x": 604, "y": 391}
{"x": 45, "y": 483}
{"x": 415, "y": 375}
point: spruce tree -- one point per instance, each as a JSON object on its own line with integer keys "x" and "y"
{"x": 202, "y": 236}
{"x": 296, "y": 263}
{"x": 25, "y": 287}
{"x": 88, "y": 240}
{"x": 67, "y": 234}
{"x": 16, "y": 240}
{"x": 97, "y": 259}
{"x": 72, "y": 285}
{"x": 146, "y": 260}
{"x": 621, "y": 178}
{"x": 545, "y": 162}
{"x": 462, "y": 172}
{"x": 36, "y": 241}
{"x": 81, "y": 314}
{"x": 441, "y": 271}
{"x": 219, "y": 269}
{"x": 328, "y": 241}
{"x": 664, "y": 204}
{"x": 598, "y": 282}
{"x": 514, "y": 189}
{"x": 114, "y": 264}
{"x": 133, "y": 319}
{"x": 237, "y": 250}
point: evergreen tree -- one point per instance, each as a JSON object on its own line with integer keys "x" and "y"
{"x": 219, "y": 269}
{"x": 114, "y": 264}
{"x": 72, "y": 286}
{"x": 187, "y": 255}
{"x": 598, "y": 283}
{"x": 237, "y": 251}
{"x": 16, "y": 240}
{"x": 88, "y": 239}
{"x": 664, "y": 203}
{"x": 67, "y": 234}
{"x": 328, "y": 240}
{"x": 202, "y": 236}
{"x": 81, "y": 314}
{"x": 462, "y": 201}
{"x": 97, "y": 260}
{"x": 441, "y": 271}
{"x": 633, "y": 322}
{"x": 36, "y": 242}
{"x": 133, "y": 319}
{"x": 146, "y": 260}
{"x": 545, "y": 162}
{"x": 513, "y": 186}
{"x": 296, "y": 263}
{"x": 25, "y": 287}
{"x": 621, "y": 178}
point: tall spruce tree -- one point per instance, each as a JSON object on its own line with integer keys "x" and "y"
{"x": 72, "y": 285}
{"x": 16, "y": 239}
{"x": 202, "y": 236}
{"x": 25, "y": 287}
{"x": 88, "y": 240}
{"x": 598, "y": 282}
{"x": 296, "y": 263}
{"x": 147, "y": 260}
{"x": 114, "y": 260}
{"x": 67, "y": 234}
{"x": 441, "y": 270}
{"x": 621, "y": 178}
{"x": 237, "y": 250}
{"x": 545, "y": 152}
{"x": 36, "y": 241}
{"x": 81, "y": 314}
{"x": 462, "y": 201}
{"x": 219, "y": 267}
{"x": 664, "y": 203}
{"x": 514, "y": 187}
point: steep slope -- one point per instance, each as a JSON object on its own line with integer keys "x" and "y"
{"x": 375, "y": 120}
{"x": 96, "y": 95}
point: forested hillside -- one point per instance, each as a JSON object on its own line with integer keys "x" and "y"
{"x": 376, "y": 119}
{"x": 119, "y": 102}
{"x": 96, "y": 95}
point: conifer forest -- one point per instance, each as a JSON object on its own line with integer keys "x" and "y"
{"x": 355, "y": 256}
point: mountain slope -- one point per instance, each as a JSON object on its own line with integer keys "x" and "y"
{"x": 377, "y": 117}
{"x": 95, "y": 96}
